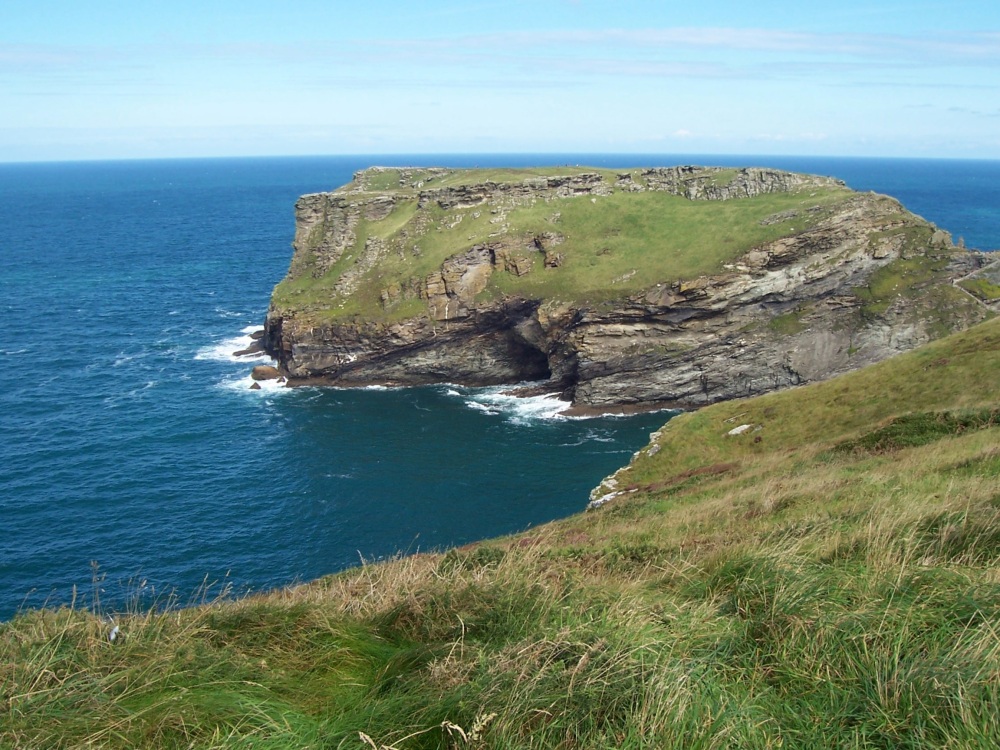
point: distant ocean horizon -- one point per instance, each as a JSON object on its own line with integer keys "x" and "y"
{"x": 135, "y": 458}
{"x": 910, "y": 179}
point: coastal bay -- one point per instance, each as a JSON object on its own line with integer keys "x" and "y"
{"x": 132, "y": 441}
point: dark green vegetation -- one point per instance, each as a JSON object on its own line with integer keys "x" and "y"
{"x": 911, "y": 430}
{"x": 826, "y": 578}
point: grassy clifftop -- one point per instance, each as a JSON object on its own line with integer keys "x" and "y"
{"x": 825, "y": 576}
{"x": 657, "y": 286}
{"x": 577, "y": 235}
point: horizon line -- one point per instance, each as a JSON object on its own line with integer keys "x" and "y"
{"x": 424, "y": 155}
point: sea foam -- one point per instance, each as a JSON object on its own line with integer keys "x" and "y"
{"x": 245, "y": 383}
{"x": 224, "y": 351}
{"x": 498, "y": 400}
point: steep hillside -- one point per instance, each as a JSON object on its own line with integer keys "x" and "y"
{"x": 674, "y": 286}
{"x": 813, "y": 568}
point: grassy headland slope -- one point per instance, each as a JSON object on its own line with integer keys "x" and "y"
{"x": 415, "y": 220}
{"x": 667, "y": 286}
{"x": 826, "y": 577}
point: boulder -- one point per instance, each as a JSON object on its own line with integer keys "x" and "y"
{"x": 265, "y": 372}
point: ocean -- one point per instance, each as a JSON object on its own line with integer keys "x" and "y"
{"x": 136, "y": 466}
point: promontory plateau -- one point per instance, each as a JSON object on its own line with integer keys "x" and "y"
{"x": 639, "y": 288}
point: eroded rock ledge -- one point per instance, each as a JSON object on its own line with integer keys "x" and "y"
{"x": 843, "y": 280}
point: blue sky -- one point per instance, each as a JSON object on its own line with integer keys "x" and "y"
{"x": 142, "y": 79}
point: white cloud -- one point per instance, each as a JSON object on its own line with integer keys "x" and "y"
{"x": 945, "y": 47}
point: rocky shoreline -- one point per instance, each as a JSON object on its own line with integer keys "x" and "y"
{"x": 849, "y": 284}
{"x": 270, "y": 372}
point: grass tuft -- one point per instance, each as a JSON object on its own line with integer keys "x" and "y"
{"x": 911, "y": 430}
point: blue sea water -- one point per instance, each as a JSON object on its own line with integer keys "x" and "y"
{"x": 133, "y": 451}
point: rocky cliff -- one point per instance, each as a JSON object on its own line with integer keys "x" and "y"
{"x": 674, "y": 287}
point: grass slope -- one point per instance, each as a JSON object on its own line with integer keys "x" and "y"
{"x": 826, "y": 578}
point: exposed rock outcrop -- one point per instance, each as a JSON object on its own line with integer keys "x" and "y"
{"x": 697, "y": 183}
{"x": 265, "y": 372}
{"x": 844, "y": 284}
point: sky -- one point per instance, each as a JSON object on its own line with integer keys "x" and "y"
{"x": 104, "y": 79}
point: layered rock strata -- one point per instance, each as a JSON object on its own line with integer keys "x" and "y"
{"x": 810, "y": 303}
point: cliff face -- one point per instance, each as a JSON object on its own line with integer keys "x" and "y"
{"x": 422, "y": 276}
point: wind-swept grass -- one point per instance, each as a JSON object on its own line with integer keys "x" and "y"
{"x": 780, "y": 592}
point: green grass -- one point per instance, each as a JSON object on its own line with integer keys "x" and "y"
{"x": 984, "y": 289}
{"x": 901, "y": 277}
{"x": 917, "y": 288}
{"x": 911, "y": 430}
{"x": 665, "y": 238}
{"x": 613, "y": 245}
{"x": 383, "y": 180}
{"x": 505, "y": 175}
{"x": 828, "y": 580}
{"x": 788, "y": 324}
